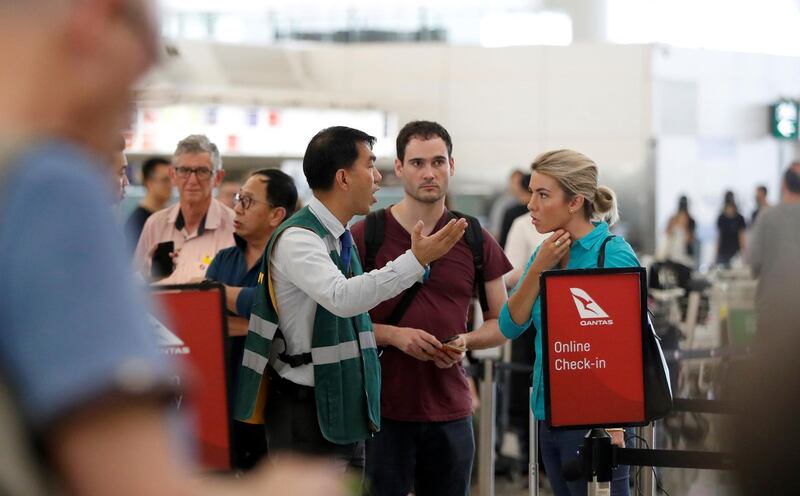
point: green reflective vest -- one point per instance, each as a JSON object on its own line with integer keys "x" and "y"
{"x": 347, "y": 374}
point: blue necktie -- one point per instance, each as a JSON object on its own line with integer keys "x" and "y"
{"x": 347, "y": 246}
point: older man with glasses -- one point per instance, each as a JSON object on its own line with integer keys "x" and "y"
{"x": 197, "y": 227}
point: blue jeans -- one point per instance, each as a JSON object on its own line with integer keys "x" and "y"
{"x": 432, "y": 458}
{"x": 561, "y": 446}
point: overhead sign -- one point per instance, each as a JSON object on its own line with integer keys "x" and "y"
{"x": 592, "y": 334}
{"x": 192, "y": 328}
{"x": 253, "y": 130}
{"x": 784, "y": 119}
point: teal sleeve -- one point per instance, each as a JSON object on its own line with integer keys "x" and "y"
{"x": 508, "y": 327}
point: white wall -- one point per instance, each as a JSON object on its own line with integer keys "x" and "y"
{"x": 689, "y": 121}
{"x": 711, "y": 125}
{"x": 503, "y": 106}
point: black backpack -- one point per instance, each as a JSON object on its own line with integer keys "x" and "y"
{"x": 374, "y": 233}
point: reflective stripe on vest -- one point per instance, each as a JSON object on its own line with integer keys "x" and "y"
{"x": 262, "y": 327}
{"x": 254, "y": 361}
{"x": 326, "y": 355}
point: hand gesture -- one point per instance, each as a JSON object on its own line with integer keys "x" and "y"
{"x": 551, "y": 251}
{"x": 429, "y": 248}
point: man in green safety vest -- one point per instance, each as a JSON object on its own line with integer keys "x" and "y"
{"x": 312, "y": 302}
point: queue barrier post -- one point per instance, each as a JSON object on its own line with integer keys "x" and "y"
{"x": 533, "y": 453}
{"x": 486, "y": 430}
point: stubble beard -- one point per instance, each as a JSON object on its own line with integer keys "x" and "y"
{"x": 429, "y": 197}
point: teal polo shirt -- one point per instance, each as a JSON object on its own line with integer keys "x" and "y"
{"x": 582, "y": 255}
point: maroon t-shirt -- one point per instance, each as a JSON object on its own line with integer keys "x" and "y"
{"x": 413, "y": 390}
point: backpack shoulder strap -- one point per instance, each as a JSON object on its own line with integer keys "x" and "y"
{"x": 374, "y": 232}
{"x": 601, "y": 257}
{"x": 474, "y": 238}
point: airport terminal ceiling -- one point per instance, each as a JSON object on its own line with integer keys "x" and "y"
{"x": 671, "y": 114}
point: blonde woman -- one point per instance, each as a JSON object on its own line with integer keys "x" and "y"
{"x": 567, "y": 201}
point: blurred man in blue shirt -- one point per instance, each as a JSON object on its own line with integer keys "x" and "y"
{"x": 79, "y": 370}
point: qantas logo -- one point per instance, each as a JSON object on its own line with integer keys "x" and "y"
{"x": 590, "y": 312}
{"x": 168, "y": 341}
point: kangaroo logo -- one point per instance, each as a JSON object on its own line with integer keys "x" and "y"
{"x": 167, "y": 340}
{"x": 587, "y": 307}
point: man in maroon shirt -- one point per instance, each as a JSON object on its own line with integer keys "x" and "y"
{"x": 426, "y": 441}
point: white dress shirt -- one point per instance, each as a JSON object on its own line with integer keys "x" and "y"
{"x": 304, "y": 276}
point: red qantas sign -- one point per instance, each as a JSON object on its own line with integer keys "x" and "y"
{"x": 593, "y": 340}
{"x": 193, "y": 332}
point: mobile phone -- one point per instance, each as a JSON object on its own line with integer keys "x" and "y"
{"x": 447, "y": 340}
{"x": 162, "y": 265}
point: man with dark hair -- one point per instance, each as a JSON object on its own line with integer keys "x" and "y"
{"x": 226, "y": 191}
{"x": 775, "y": 259}
{"x": 523, "y": 196}
{"x": 84, "y": 392}
{"x": 761, "y": 202}
{"x": 312, "y": 299}
{"x": 266, "y": 199}
{"x": 158, "y": 186}
{"x": 426, "y": 443}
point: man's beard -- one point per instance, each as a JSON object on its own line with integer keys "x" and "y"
{"x": 432, "y": 196}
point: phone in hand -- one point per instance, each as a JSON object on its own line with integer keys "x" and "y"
{"x": 447, "y": 343}
{"x": 162, "y": 265}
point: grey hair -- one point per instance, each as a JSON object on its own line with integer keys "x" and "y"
{"x": 199, "y": 143}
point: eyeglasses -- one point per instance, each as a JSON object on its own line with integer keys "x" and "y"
{"x": 246, "y": 201}
{"x": 202, "y": 173}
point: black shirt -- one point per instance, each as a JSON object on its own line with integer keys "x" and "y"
{"x": 729, "y": 228}
{"x": 135, "y": 224}
{"x": 509, "y": 216}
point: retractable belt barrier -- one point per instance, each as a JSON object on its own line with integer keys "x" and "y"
{"x": 619, "y": 456}
{"x": 697, "y": 353}
{"x": 598, "y": 457}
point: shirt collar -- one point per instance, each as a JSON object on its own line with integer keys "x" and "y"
{"x": 597, "y": 235}
{"x": 180, "y": 223}
{"x": 211, "y": 220}
{"x": 325, "y": 216}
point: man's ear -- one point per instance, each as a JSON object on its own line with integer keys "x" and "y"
{"x": 277, "y": 216}
{"x": 218, "y": 176}
{"x": 452, "y": 166}
{"x": 398, "y": 167}
{"x": 342, "y": 180}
